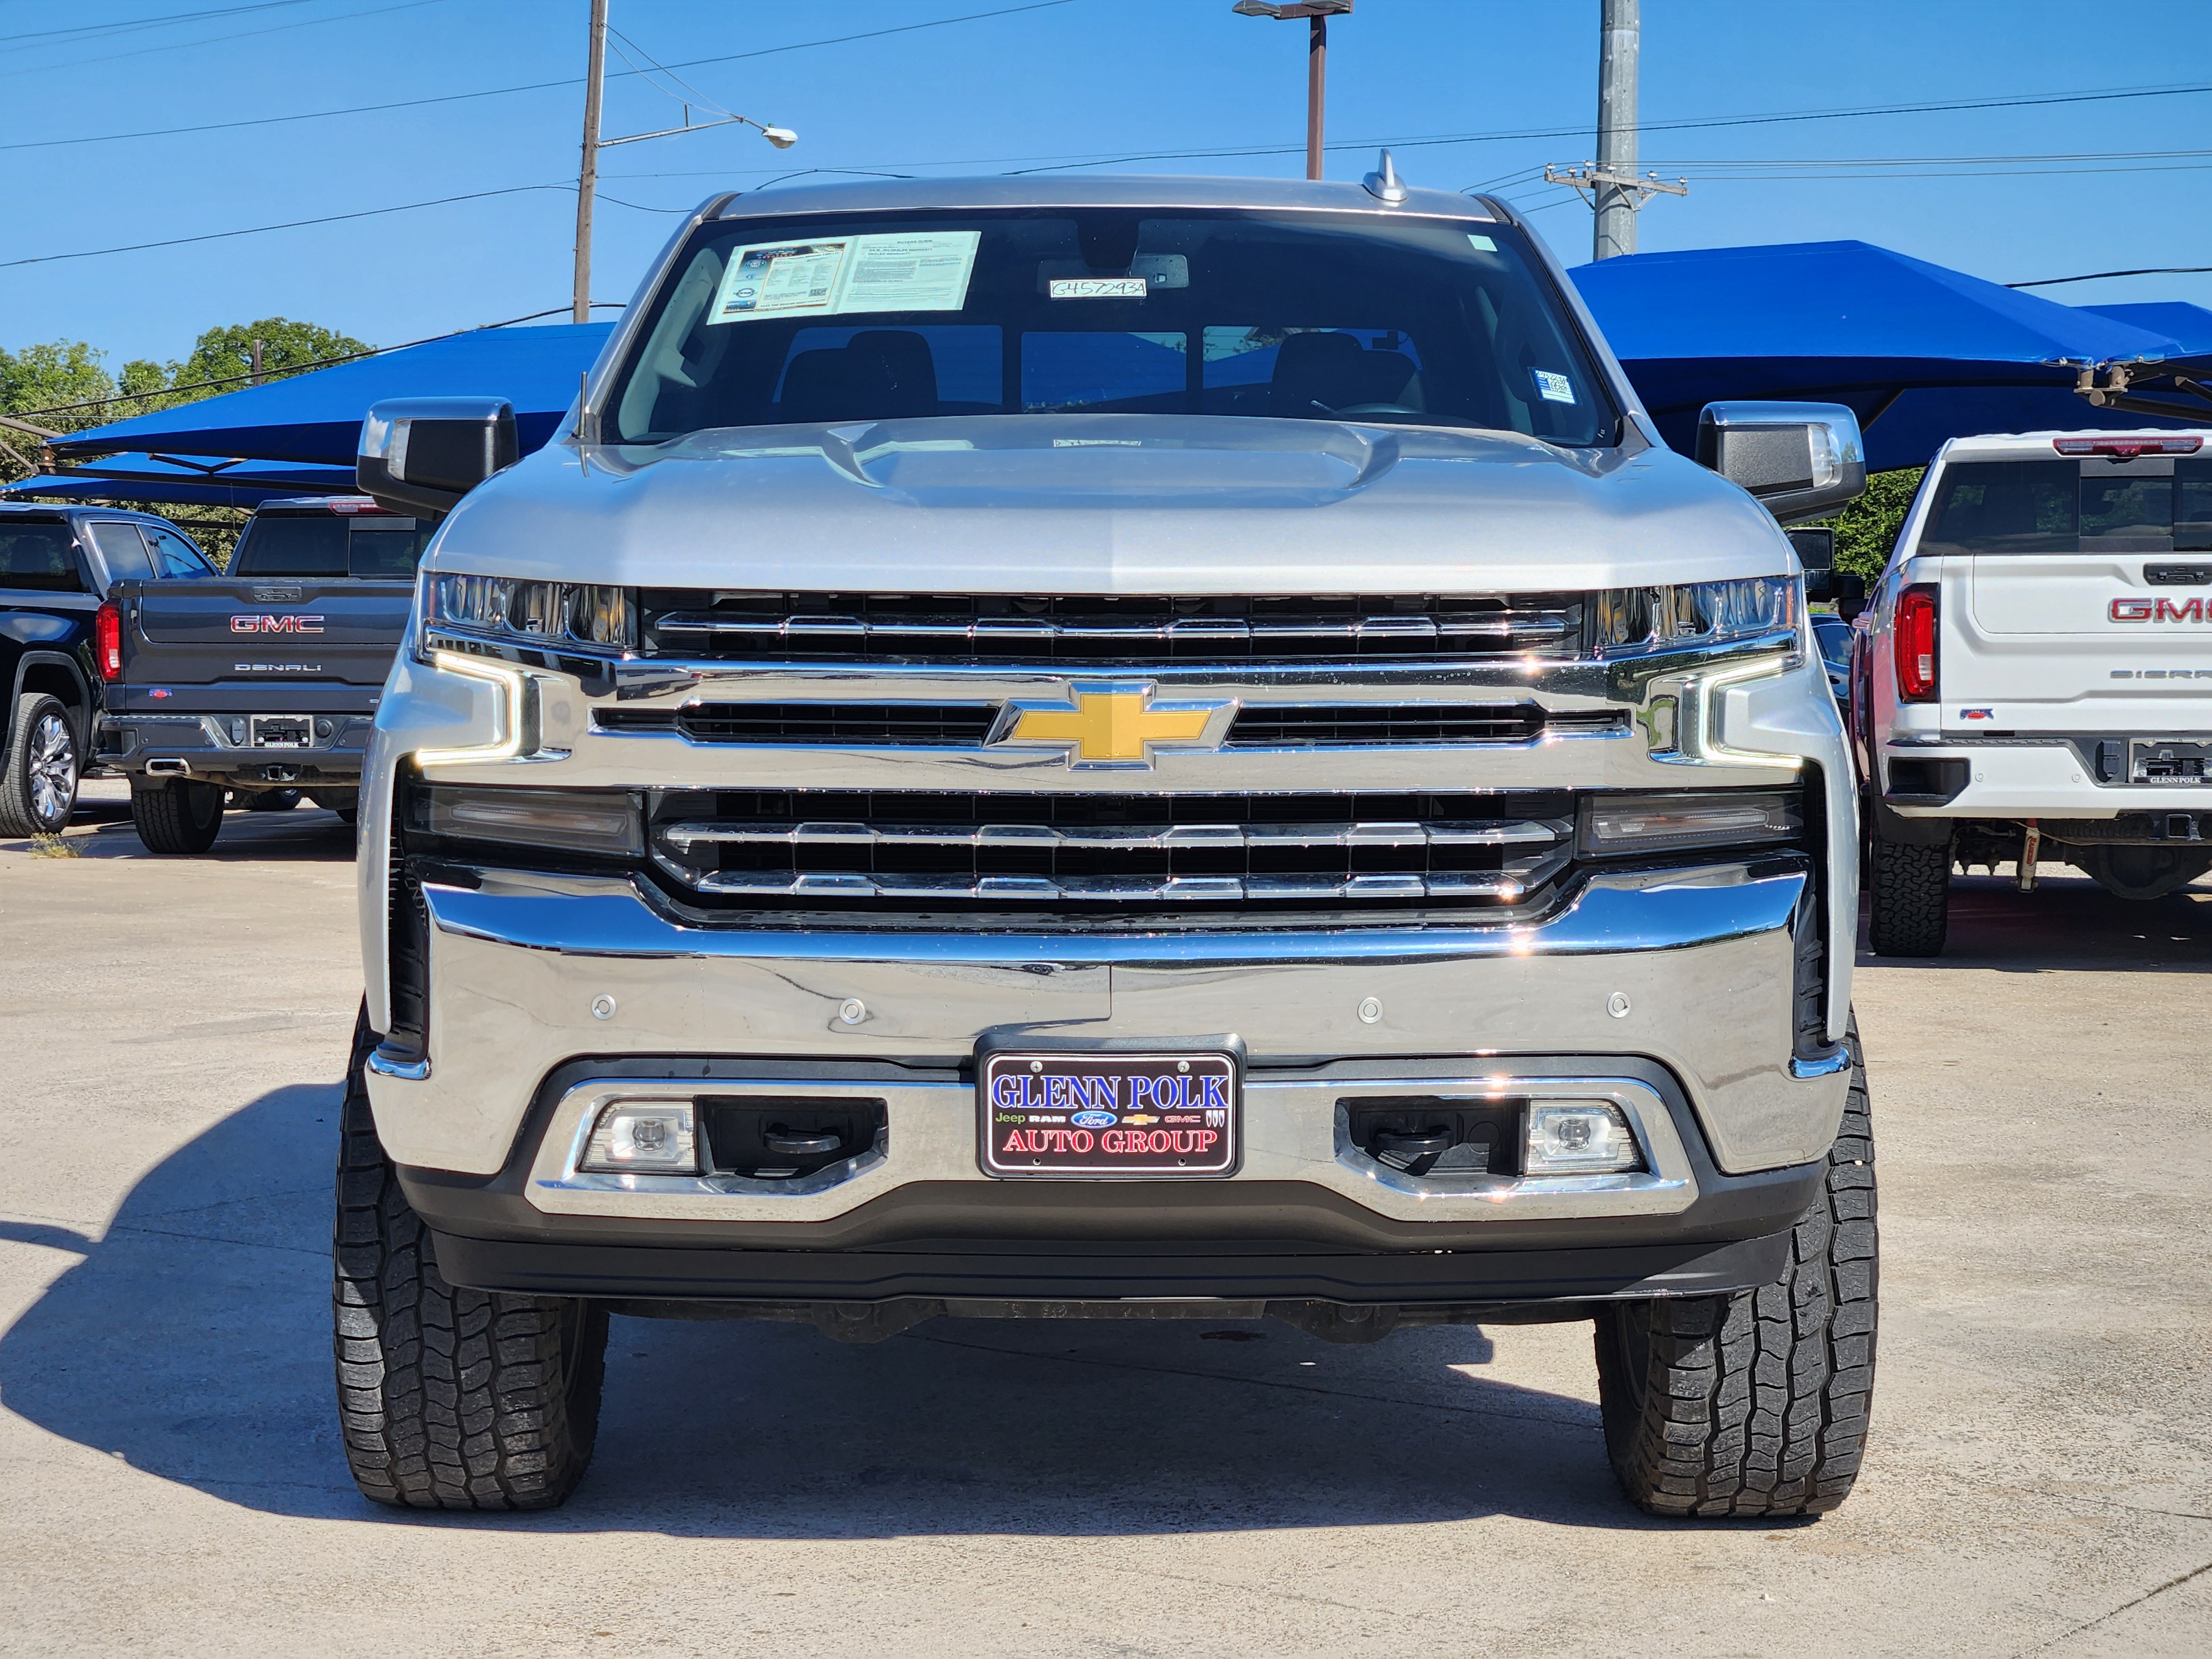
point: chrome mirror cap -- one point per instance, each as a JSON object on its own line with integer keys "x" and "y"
{"x": 1798, "y": 461}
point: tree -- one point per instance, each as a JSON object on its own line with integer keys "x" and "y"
{"x": 222, "y": 354}
{"x": 42, "y": 382}
{"x": 1868, "y": 529}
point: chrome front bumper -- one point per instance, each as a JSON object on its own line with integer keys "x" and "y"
{"x": 1689, "y": 969}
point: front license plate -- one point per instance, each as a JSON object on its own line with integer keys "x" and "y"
{"x": 1062, "y": 1113}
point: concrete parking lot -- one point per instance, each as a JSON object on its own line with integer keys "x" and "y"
{"x": 171, "y": 1034}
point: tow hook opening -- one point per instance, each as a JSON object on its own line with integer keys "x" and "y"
{"x": 1422, "y": 1135}
{"x": 771, "y": 1137}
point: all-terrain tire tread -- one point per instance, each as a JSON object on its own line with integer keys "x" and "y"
{"x": 449, "y": 1399}
{"x": 1908, "y": 898}
{"x": 1757, "y": 1404}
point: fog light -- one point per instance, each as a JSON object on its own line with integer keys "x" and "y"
{"x": 1578, "y": 1138}
{"x": 645, "y": 1138}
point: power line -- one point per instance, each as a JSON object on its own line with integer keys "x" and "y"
{"x": 136, "y": 25}
{"x": 290, "y": 224}
{"x": 210, "y": 40}
{"x": 2094, "y": 276}
{"x": 533, "y": 86}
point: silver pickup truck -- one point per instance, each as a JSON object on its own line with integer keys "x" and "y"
{"x": 1113, "y": 747}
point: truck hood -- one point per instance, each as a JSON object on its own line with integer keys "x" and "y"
{"x": 1110, "y": 504}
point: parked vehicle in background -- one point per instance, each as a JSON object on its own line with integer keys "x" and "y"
{"x": 262, "y": 682}
{"x": 56, "y": 565}
{"x": 2034, "y": 677}
{"x": 1128, "y": 747}
{"x": 1832, "y": 635}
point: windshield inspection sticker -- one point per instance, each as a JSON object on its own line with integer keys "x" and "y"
{"x": 926, "y": 270}
{"x": 1480, "y": 244}
{"x": 1097, "y": 287}
{"x": 1554, "y": 388}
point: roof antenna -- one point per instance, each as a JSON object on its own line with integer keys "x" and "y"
{"x": 1384, "y": 184}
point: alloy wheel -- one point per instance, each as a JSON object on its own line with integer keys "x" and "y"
{"x": 53, "y": 773}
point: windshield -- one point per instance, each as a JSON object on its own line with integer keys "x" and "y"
{"x": 1300, "y": 316}
{"x": 2154, "y": 505}
{"x": 1834, "y": 635}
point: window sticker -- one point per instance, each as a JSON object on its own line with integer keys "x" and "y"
{"x": 1480, "y": 244}
{"x": 1554, "y": 388}
{"x": 1096, "y": 288}
{"x": 776, "y": 279}
{"x": 924, "y": 270}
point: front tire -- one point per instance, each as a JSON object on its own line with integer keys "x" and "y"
{"x": 272, "y": 800}
{"x": 449, "y": 1399}
{"x": 1908, "y": 898}
{"x": 176, "y": 815}
{"x": 39, "y": 769}
{"x": 1756, "y": 1403}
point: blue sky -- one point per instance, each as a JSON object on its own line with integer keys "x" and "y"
{"x": 1086, "y": 79}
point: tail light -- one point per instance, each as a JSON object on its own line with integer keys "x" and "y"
{"x": 108, "y": 639}
{"x": 1915, "y": 642}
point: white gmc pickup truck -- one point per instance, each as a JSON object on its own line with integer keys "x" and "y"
{"x": 2033, "y": 673}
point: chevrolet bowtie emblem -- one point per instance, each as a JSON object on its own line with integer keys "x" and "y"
{"x": 1114, "y": 725}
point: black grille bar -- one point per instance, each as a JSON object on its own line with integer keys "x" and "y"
{"x": 924, "y": 848}
{"x": 1261, "y": 726}
{"x": 1130, "y": 630}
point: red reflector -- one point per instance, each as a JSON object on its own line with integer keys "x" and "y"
{"x": 107, "y": 630}
{"x": 1916, "y": 645}
{"x": 2126, "y": 449}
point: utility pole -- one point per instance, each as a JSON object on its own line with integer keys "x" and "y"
{"x": 1316, "y": 14}
{"x": 587, "y": 179}
{"x": 1620, "y": 36}
{"x": 1610, "y": 184}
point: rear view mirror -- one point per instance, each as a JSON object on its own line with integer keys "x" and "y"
{"x": 1799, "y": 460}
{"x": 423, "y": 454}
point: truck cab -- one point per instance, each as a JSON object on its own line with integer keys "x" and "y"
{"x": 2034, "y": 677}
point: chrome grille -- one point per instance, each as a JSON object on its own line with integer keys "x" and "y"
{"x": 906, "y": 849}
{"x": 1117, "y": 630}
{"x": 1260, "y": 726}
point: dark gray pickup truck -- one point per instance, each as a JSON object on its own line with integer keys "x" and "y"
{"x": 263, "y": 682}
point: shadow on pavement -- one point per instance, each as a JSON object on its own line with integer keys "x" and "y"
{"x": 102, "y": 829}
{"x": 2068, "y": 923}
{"x": 193, "y": 1341}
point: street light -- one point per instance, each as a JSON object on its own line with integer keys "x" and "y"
{"x": 588, "y": 180}
{"x": 1316, "y": 14}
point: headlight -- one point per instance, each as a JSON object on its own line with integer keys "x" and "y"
{"x": 1616, "y": 824}
{"x": 526, "y": 612}
{"x": 1631, "y": 619}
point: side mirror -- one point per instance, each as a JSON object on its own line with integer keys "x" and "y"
{"x": 1816, "y": 552}
{"x": 1800, "y": 461}
{"x": 1849, "y": 596}
{"x": 423, "y": 454}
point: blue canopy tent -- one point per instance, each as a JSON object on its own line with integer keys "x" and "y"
{"x": 2190, "y": 326}
{"x": 309, "y": 424}
{"x": 227, "y": 483}
{"x": 1920, "y": 353}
